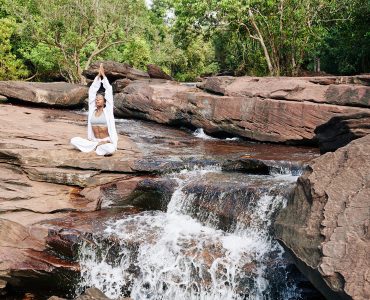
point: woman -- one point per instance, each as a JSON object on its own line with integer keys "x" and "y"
{"x": 101, "y": 128}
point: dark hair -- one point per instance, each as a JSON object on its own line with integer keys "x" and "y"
{"x": 99, "y": 93}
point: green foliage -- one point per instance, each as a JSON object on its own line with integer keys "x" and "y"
{"x": 10, "y": 66}
{"x": 187, "y": 38}
{"x": 346, "y": 46}
{"x": 137, "y": 52}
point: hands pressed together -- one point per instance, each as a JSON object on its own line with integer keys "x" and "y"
{"x": 101, "y": 71}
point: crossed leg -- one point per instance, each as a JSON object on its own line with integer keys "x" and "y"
{"x": 85, "y": 145}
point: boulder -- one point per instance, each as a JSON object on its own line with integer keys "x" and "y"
{"x": 120, "y": 84}
{"x": 156, "y": 72}
{"x": 59, "y": 94}
{"x": 114, "y": 70}
{"x": 341, "y": 130}
{"x": 252, "y": 115}
{"x": 325, "y": 225}
{"x": 289, "y": 88}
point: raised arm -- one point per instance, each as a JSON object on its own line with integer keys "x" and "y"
{"x": 108, "y": 88}
{"x": 108, "y": 91}
{"x": 93, "y": 90}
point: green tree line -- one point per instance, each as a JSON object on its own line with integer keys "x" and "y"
{"x": 58, "y": 39}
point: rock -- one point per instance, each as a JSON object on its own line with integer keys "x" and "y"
{"x": 326, "y": 80}
{"x": 3, "y": 284}
{"x": 59, "y": 94}
{"x": 120, "y": 84}
{"x": 227, "y": 199}
{"x": 156, "y": 72}
{"x": 216, "y": 85}
{"x": 325, "y": 224}
{"x": 152, "y": 193}
{"x": 3, "y": 99}
{"x": 291, "y": 89}
{"x": 245, "y": 113}
{"x": 341, "y": 130}
{"x": 114, "y": 70}
{"x": 92, "y": 294}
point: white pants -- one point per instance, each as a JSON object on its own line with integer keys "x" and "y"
{"x": 88, "y": 146}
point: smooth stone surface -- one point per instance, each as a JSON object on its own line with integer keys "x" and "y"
{"x": 114, "y": 70}
{"x": 60, "y": 94}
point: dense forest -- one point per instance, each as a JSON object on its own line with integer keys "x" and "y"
{"x": 57, "y": 39}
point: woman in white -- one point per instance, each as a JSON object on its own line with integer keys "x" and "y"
{"x": 101, "y": 129}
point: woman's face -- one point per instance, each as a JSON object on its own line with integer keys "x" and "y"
{"x": 99, "y": 101}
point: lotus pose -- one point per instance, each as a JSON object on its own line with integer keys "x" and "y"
{"x": 101, "y": 128}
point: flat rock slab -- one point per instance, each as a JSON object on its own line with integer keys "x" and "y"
{"x": 60, "y": 94}
{"x": 292, "y": 89}
{"x": 41, "y": 177}
{"x": 254, "y": 112}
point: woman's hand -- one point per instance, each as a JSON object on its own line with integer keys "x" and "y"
{"x": 101, "y": 70}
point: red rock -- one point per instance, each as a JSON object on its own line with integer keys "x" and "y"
{"x": 325, "y": 224}
{"x": 156, "y": 72}
{"x": 114, "y": 70}
{"x": 247, "y": 112}
{"x": 60, "y": 94}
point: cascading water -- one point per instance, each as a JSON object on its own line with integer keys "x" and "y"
{"x": 183, "y": 254}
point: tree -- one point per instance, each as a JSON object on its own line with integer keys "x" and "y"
{"x": 284, "y": 30}
{"x": 80, "y": 30}
{"x": 10, "y": 66}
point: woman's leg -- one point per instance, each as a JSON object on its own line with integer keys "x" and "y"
{"x": 83, "y": 144}
{"x": 105, "y": 149}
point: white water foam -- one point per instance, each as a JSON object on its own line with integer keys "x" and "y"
{"x": 170, "y": 255}
{"x": 199, "y": 133}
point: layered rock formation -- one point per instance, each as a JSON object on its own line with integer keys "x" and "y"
{"x": 42, "y": 178}
{"x": 59, "y": 94}
{"x": 326, "y": 223}
{"x": 284, "y": 110}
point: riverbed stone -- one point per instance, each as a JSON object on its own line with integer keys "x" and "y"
{"x": 325, "y": 224}
{"x": 269, "y": 110}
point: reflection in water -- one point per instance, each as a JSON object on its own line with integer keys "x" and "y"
{"x": 154, "y": 139}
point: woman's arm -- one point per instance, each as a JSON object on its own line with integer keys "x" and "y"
{"x": 93, "y": 90}
{"x": 108, "y": 88}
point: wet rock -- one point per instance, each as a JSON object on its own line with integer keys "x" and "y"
{"x": 325, "y": 224}
{"x": 114, "y": 70}
{"x": 92, "y": 294}
{"x": 226, "y": 199}
{"x": 156, "y": 72}
{"x": 3, "y": 99}
{"x": 341, "y": 130}
{"x": 3, "y": 284}
{"x": 248, "y": 165}
{"x": 153, "y": 193}
{"x": 59, "y": 94}
{"x": 263, "y": 111}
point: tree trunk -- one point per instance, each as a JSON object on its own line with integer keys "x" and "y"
{"x": 262, "y": 42}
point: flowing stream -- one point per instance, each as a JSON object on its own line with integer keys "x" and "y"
{"x": 213, "y": 240}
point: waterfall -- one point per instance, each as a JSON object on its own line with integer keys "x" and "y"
{"x": 185, "y": 252}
